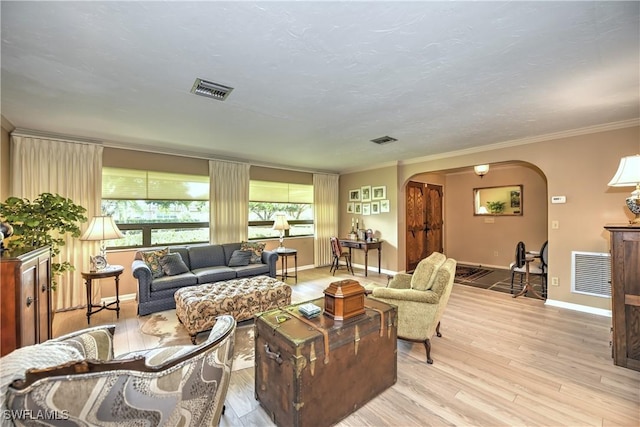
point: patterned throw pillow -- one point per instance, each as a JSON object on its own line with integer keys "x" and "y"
{"x": 173, "y": 264}
{"x": 257, "y": 248}
{"x": 152, "y": 259}
{"x": 240, "y": 258}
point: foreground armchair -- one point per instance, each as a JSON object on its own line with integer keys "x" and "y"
{"x": 171, "y": 386}
{"x": 421, "y": 298}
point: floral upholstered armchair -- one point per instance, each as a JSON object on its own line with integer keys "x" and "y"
{"x": 170, "y": 386}
{"x": 421, "y": 298}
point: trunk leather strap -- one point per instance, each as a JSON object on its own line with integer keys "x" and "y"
{"x": 324, "y": 333}
{"x": 381, "y": 319}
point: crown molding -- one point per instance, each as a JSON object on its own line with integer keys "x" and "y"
{"x": 529, "y": 140}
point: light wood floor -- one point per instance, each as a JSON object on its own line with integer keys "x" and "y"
{"x": 500, "y": 362}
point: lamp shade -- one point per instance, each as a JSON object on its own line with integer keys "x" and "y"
{"x": 102, "y": 228}
{"x": 481, "y": 170}
{"x": 628, "y": 173}
{"x": 280, "y": 222}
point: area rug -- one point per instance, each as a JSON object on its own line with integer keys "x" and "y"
{"x": 166, "y": 326}
{"x": 470, "y": 273}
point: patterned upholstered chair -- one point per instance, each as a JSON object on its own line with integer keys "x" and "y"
{"x": 421, "y": 298}
{"x": 170, "y": 386}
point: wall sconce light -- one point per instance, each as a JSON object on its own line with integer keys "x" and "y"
{"x": 281, "y": 224}
{"x": 628, "y": 175}
{"x": 481, "y": 170}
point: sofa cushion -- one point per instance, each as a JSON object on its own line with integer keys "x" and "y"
{"x": 257, "y": 248}
{"x": 423, "y": 276}
{"x": 206, "y": 256}
{"x": 172, "y": 282}
{"x": 152, "y": 259}
{"x": 214, "y": 274}
{"x": 172, "y": 264}
{"x": 240, "y": 258}
{"x": 252, "y": 270}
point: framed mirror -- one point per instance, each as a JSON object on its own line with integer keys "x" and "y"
{"x": 506, "y": 200}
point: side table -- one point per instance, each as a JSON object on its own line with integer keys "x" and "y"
{"x": 111, "y": 271}
{"x": 285, "y": 253}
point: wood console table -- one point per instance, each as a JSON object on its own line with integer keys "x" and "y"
{"x": 365, "y": 246}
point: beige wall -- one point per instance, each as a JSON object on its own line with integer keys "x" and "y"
{"x": 383, "y": 224}
{"x": 577, "y": 167}
{"x": 491, "y": 240}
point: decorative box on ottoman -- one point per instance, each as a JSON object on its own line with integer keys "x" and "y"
{"x": 198, "y": 306}
{"x": 314, "y": 372}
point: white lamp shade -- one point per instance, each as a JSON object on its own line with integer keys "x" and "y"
{"x": 628, "y": 173}
{"x": 481, "y": 169}
{"x": 280, "y": 222}
{"x": 102, "y": 228}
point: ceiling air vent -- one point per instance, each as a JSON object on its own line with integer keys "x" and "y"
{"x": 383, "y": 140}
{"x": 211, "y": 90}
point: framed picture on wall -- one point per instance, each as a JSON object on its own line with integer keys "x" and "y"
{"x": 365, "y": 193}
{"x": 379, "y": 193}
{"x": 350, "y": 207}
{"x": 357, "y": 208}
{"x": 375, "y": 208}
{"x": 384, "y": 206}
{"x": 366, "y": 209}
{"x": 354, "y": 195}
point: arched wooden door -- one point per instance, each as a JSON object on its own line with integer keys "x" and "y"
{"x": 424, "y": 222}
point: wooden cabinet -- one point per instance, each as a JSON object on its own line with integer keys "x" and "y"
{"x": 625, "y": 295}
{"x": 25, "y": 298}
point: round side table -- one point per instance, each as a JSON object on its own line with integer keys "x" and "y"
{"x": 111, "y": 271}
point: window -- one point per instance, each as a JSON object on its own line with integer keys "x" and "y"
{"x": 156, "y": 208}
{"x": 266, "y": 198}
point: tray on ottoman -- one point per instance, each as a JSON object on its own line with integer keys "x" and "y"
{"x": 198, "y": 306}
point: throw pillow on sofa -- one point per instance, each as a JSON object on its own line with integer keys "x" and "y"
{"x": 173, "y": 264}
{"x": 152, "y": 259}
{"x": 257, "y": 248}
{"x": 240, "y": 258}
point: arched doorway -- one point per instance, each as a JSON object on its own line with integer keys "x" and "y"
{"x": 472, "y": 239}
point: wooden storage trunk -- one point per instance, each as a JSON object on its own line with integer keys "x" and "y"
{"x": 314, "y": 372}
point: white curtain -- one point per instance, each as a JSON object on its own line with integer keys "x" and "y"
{"x": 229, "y": 198}
{"x": 73, "y": 170}
{"x": 325, "y": 216}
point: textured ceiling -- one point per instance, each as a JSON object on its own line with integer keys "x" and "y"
{"x": 315, "y": 81}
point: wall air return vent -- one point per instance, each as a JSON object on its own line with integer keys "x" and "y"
{"x": 211, "y": 90}
{"x": 383, "y": 140}
{"x": 591, "y": 273}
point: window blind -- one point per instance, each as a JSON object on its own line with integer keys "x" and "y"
{"x": 132, "y": 184}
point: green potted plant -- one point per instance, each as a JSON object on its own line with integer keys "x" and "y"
{"x": 496, "y": 207}
{"x": 43, "y": 222}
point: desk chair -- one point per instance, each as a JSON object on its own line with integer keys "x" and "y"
{"x": 337, "y": 254}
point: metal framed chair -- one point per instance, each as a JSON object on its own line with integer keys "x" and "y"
{"x": 338, "y": 253}
{"x": 540, "y": 269}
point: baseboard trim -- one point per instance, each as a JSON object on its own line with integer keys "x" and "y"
{"x": 579, "y": 307}
{"x": 125, "y": 297}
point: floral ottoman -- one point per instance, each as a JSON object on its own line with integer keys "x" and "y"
{"x": 198, "y": 306}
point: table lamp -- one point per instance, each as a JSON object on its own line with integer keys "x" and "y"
{"x": 628, "y": 175}
{"x": 281, "y": 224}
{"x": 101, "y": 228}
